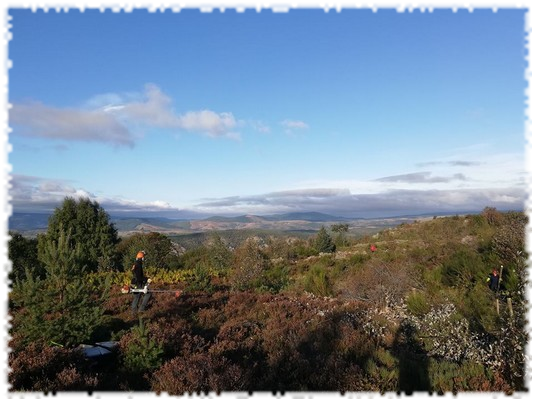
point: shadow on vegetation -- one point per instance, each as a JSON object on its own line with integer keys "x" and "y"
{"x": 413, "y": 362}
{"x": 111, "y": 325}
{"x": 322, "y": 358}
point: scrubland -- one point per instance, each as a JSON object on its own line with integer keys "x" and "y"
{"x": 285, "y": 314}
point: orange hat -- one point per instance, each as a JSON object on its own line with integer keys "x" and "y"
{"x": 141, "y": 254}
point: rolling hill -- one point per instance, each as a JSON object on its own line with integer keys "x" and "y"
{"x": 30, "y": 224}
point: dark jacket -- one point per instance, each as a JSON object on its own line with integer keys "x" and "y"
{"x": 138, "y": 278}
{"x": 493, "y": 282}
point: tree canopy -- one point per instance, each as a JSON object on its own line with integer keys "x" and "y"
{"x": 323, "y": 242}
{"x": 160, "y": 250}
{"x": 89, "y": 228}
{"x": 61, "y": 307}
{"x": 23, "y": 255}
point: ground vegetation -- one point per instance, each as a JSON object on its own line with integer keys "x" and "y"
{"x": 404, "y": 310}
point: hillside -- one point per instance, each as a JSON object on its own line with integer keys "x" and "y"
{"x": 281, "y": 223}
{"x": 277, "y": 313}
{"x": 30, "y": 224}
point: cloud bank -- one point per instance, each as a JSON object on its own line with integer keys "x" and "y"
{"x": 41, "y": 195}
{"x": 422, "y": 177}
{"x": 384, "y": 204}
{"x": 405, "y": 194}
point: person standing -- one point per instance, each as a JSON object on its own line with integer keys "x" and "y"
{"x": 493, "y": 280}
{"x": 139, "y": 281}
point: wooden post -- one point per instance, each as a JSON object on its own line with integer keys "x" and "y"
{"x": 498, "y": 290}
{"x": 510, "y": 306}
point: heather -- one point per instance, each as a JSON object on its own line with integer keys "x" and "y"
{"x": 280, "y": 314}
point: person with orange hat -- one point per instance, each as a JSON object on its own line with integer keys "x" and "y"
{"x": 138, "y": 281}
{"x": 494, "y": 280}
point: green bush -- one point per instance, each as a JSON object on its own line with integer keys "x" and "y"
{"x": 479, "y": 307}
{"x": 200, "y": 279}
{"x": 276, "y": 278}
{"x": 142, "y": 354}
{"x": 417, "y": 304}
{"x": 464, "y": 268}
{"x": 358, "y": 259}
{"x": 23, "y": 255}
{"x": 251, "y": 262}
{"x": 89, "y": 228}
{"x": 317, "y": 281}
{"x": 160, "y": 250}
{"x": 62, "y": 307}
{"x": 453, "y": 377}
{"x": 323, "y": 242}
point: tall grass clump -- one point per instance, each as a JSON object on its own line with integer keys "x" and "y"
{"x": 317, "y": 281}
{"x": 418, "y": 304}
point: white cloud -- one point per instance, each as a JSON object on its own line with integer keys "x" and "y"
{"x": 41, "y": 193}
{"x": 504, "y": 197}
{"x": 111, "y": 118}
{"x": 211, "y": 123}
{"x": 499, "y": 180}
{"x": 160, "y": 204}
{"x": 259, "y": 126}
{"x": 34, "y": 194}
{"x": 39, "y": 120}
{"x": 155, "y": 109}
{"x": 383, "y": 204}
{"x": 422, "y": 177}
{"x": 31, "y": 193}
{"x": 454, "y": 186}
{"x": 291, "y": 124}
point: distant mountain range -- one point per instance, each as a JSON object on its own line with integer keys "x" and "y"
{"x": 31, "y": 224}
{"x": 23, "y": 222}
{"x": 296, "y": 216}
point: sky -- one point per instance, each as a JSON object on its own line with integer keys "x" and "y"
{"x": 353, "y": 113}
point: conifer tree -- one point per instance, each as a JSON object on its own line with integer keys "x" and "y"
{"x": 90, "y": 229}
{"x": 220, "y": 256}
{"x": 323, "y": 242}
{"x": 23, "y": 255}
{"x": 161, "y": 252}
{"x": 250, "y": 264}
{"x": 142, "y": 353}
{"x": 61, "y": 307}
{"x": 341, "y": 230}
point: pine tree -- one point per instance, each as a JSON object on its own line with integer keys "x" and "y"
{"x": 323, "y": 242}
{"x": 250, "y": 264}
{"x": 220, "y": 256}
{"x": 341, "y": 230}
{"x": 142, "y": 353}
{"x": 90, "y": 229}
{"x": 23, "y": 255}
{"x": 61, "y": 308}
{"x": 161, "y": 251}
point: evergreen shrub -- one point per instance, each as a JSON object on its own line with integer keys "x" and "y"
{"x": 317, "y": 281}
{"x": 417, "y": 303}
{"x": 140, "y": 352}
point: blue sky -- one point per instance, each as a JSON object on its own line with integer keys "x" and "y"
{"x": 355, "y": 113}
